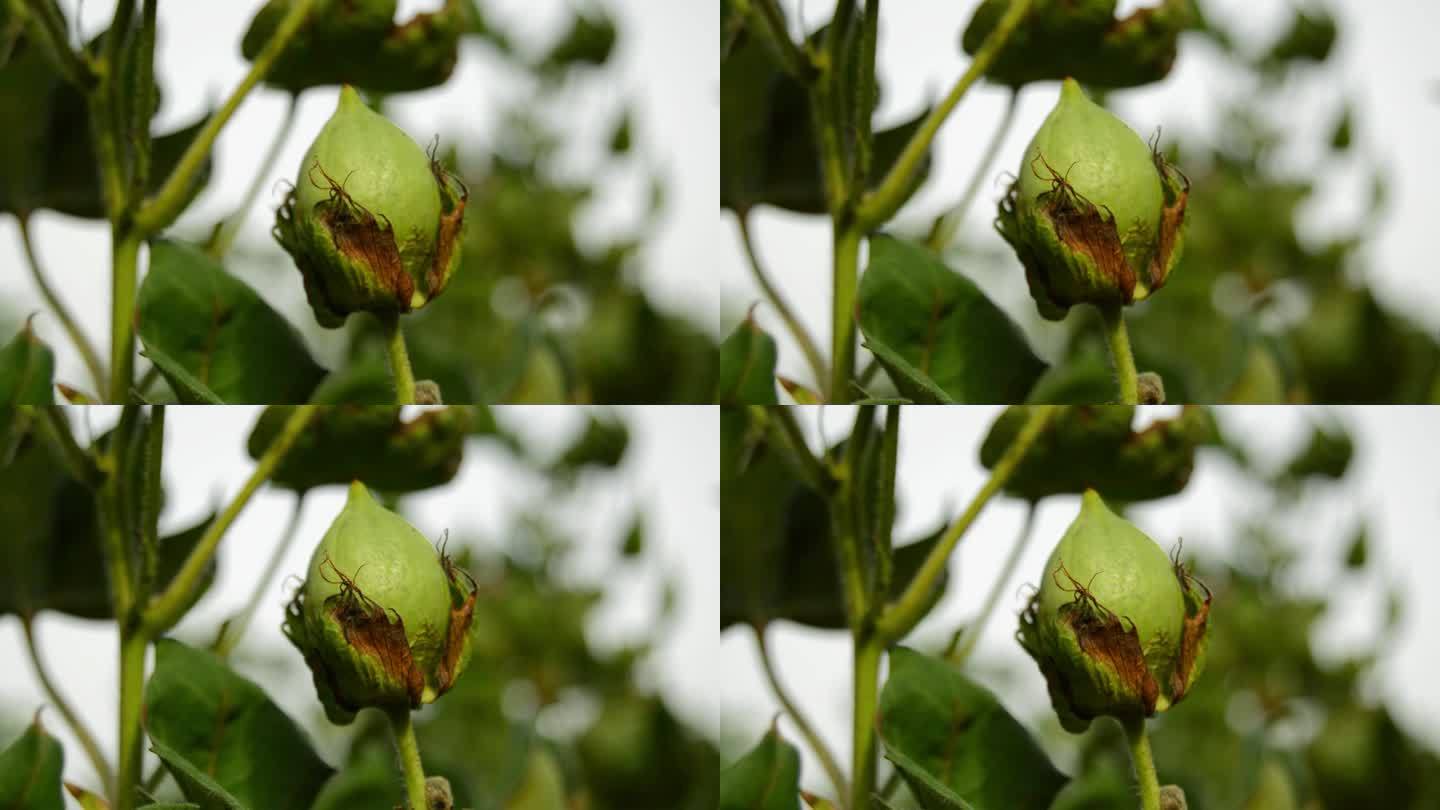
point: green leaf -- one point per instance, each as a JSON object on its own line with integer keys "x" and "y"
{"x": 767, "y": 145}
{"x": 956, "y": 745}
{"x": 87, "y": 799}
{"x": 543, "y": 785}
{"x": 1094, "y": 447}
{"x": 1326, "y": 455}
{"x": 371, "y": 444}
{"x": 27, "y": 371}
{"x": 216, "y": 335}
{"x": 937, "y": 335}
{"x": 747, "y": 367}
{"x": 202, "y": 716}
{"x": 367, "y": 782}
{"x": 171, "y": 806}
{"x": 766, "y": 778}
{"x": 602, "y": 445}
{"x": 30, "y": 772}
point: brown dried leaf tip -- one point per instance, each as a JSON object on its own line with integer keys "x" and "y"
{"x": 1086, "y": 227}
{"x": 1107, "y": 641}
{"x": 1190, "y": 659}
{"x": 462, "y": 612}
{"x": 362, "y": 237}
{"x": 374, "y": 631}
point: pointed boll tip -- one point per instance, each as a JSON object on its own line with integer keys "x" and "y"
{"x": 358, "y": 494}
{"x": 349, "y": 98}
{"x": 1070, "y": 91}
{"x": 1092, "y": 500}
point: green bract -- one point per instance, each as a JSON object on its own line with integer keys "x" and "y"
{"x": 1117, "y": 628}
{"x": 1096, "y": 216}
{"x": 372, "y": 222}
{"x": 382, "y": 619}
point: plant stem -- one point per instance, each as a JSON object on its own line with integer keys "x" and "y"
{"x": 901, "y": 617}
{"x": 972, "y": 633}
{"x": 225, "y": 236}
{"x": 49, "y": 32}
{"x": 166, "y": 608}
{"x": 166, "y": 204}
{"x": 399, "y": 358}
{"x": 1118, "y": 339}
{"x": 150, "y": 496}
{"x": 410, "y": 763}
{"x": 77, "y": 726}
{"x": 881, "y": 204}
{"x": 1144, "y": 763}
{"x": 125, "y": 254}
{"x": 867, "y": 687}
{"x": 82, "y": 466}
{"x": 949, "y": 224}
{"x": 71, "y": 326}
{"x": 815, "y": 473}
{"x": 883, "y": 495}
{"x": 842, "y": 315}
{"x": 133, "y": 644}
{"x": 237, "y": 626}
{"x": 792, "y": 59}
{"x": 864, "y": 106}
{"x": 817, "y": 744}
{"x": 772, "y": 294}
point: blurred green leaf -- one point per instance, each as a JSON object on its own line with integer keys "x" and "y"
{"x": 212, "y": 719}
{"x": 767, "y": 778}
{"x": 371, "y": 444}
{"x": 195, "y": 316}
{"x": 602, "y": 444}
{"x": 30, "y": 772}
{"x": 937, "y": 335}
{"x": 1326, "y": 455}
{"x": 747, "y": 367}
{"x": 956, "y": 745}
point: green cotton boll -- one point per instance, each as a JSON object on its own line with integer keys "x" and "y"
{"x": 382, "y": 619}
{"x": 1094, "y": 214}
{"x": 372, "y": 223}
{"x": 1116, "y": 627}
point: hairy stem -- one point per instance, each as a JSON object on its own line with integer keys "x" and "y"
{"x": 1117, "y": 337}
{"x": 972, "y": 633}
{"x": 168, "y": 606}
{"x": 866, "y": 691}
{"x": 77, "y": 726}
{"x": 225, "y": 235}
{"x": 71, "y": 326}
{"x": 236, "y": 627}
{"x": 817, "y": 744}
{"x": 399, "y": 358}
{"x": 133, "y": 644}
{"x": 881, "y": 204}
{"x": 907, "y": 611}
{"x": 125, "y": 256}
{"x": 846, "y": 275}
{"x": 949, "y": 224}
{"x": 150, "y": 497}
{"x": 410, "y": 763}
{"x": 772, "y": 294}
{"x": 1144, "y": 763}
{"x": 165, "y": 206}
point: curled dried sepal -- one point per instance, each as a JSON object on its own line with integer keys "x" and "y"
{"x": 382, "y": 619}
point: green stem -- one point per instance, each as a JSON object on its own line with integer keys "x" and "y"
{"x": 165, "y": 206}
{"x": 399, "y": 358}
{"x": 225, "y": 235}
{"x": 71, "y": 326}
{"x": 883, "y": 496}
{"x": 846, "y": 278}
{"x": 881, "y": 204}
{"x": 166, "y": 608}
{"x": 864, "y": 107}
{"x": 150, "y": 497}
{"x": 236, "y": 627}
{"x": 997, "y": 588}
{"x": 410, "y": 763}
{"x": 1118, "y": 339}
{"x": 949, "y": 225}
{"x": 132, "y": 684}
{"x": 48, "y": 31}
{"x": 909, "y": 608}
{"x": 82, "y": 466}
{"x": 125, "y": 254}
{"x": 1144, "y": 763}
{"x": 817, "y": 744}
{"x": 772, "y": 24}
{"x": 772, "y": 294}
{"x": 77, "y": 726}
{"x": 866, "y": 754}
{"x": 816, "y": 475}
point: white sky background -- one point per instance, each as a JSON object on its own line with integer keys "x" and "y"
{"x": 666, "y": 65}
{"x": 1389, "y": 482}
{"x": 671, "y": 469}
{"x": 1384, "y": 61}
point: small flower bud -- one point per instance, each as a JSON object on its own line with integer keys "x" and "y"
{"x": 1116, "y": 627}
{"x": 382, "y": 619}
{"x": 373, "y": 223}
{"x": 1096, "y": 216}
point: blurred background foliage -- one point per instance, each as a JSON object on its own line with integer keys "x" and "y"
{"x": 544, "y": 717}
{"x": 1278, "y": 721}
